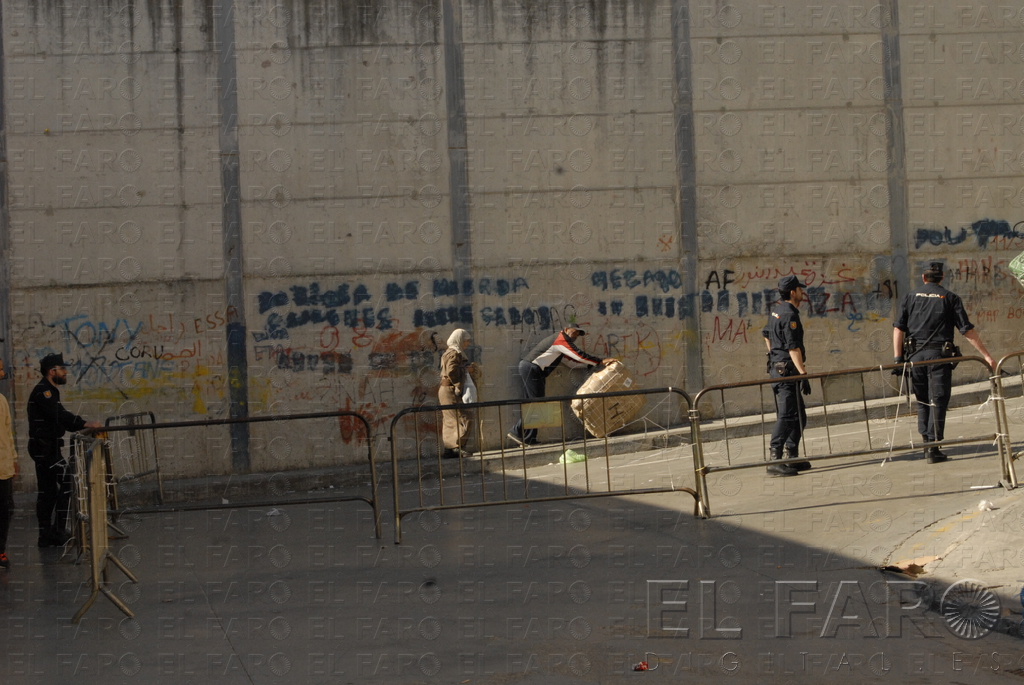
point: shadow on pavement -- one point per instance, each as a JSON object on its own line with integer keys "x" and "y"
{"x": 782, "y": 585}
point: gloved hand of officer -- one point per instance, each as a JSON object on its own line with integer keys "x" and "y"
{"x": 903, "y": 369}
{"x": 805, "y": 387}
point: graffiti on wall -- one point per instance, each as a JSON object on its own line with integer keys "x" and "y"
{"x": 985, "y": 234}
{"x": 851, "y": 295}
{"x": 736, "y": 300}
{"x": 111, "y": 360}
{"x": 356, "y": 307}
{"x": 373, "y": 345}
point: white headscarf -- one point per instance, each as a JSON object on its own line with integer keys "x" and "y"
{"x": 458, "y": 338}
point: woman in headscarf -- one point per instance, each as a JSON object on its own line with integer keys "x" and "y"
{"x": 455, "y": 367}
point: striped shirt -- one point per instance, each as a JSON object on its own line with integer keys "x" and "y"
{"x": 550, "y": 351}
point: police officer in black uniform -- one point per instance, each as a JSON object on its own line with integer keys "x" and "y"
{"x": 48, "y": 420}
{"x": 927, "y": 316}
{"x": 784, "y": 337}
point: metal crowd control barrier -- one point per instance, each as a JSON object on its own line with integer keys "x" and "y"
{"x": 547, "y": 411}
{"x": 92, "y": 483}
{"x": 1002, "y": 419}
{"x": 80, "y": 503}
{"x": 135, "y": 452}
{"x": 373, "y": 500}
{"x": 835, "y": 385}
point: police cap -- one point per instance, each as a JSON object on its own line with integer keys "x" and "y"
{"x": 790, "y": 283}
{"x": 50, "y": 361}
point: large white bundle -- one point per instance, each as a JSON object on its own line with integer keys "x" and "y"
{"x": 617, "y": 411}
{"x": 1017, "y": 267}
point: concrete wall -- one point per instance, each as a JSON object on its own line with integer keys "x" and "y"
{"x": 288, "y": 208}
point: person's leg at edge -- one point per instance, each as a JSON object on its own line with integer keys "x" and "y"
{"x": 533, "y": 387}
{"x": 920, "y": 381}
{"x": 46, "y": 499}
{"x": 785, "y": 418}
{"x": 6, "y": 515}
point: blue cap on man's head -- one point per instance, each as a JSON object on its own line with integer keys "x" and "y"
{"x": 790, "y": 283}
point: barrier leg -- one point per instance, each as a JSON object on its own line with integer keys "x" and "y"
{"x": 1003, "y": 442}
{"x": 395, "y": 487}
{"x": 699, "y": 472}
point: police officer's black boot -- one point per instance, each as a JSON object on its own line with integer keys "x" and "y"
{"x": 780, "y": 469}
{"x": 45, "y": 538}
{"x": 934, "y": 455}
{"x": 800, "y": 465}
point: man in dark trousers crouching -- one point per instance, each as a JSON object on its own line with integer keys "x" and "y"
{"x": 535, "y": 368}
{"x": 48, "y": 420}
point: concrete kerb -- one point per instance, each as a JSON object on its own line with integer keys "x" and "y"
{"x": 850, "y": 412}
{"x": 715, "y": 430}
{"x": 322, "y": 480}
{"x": 242, "y": 487}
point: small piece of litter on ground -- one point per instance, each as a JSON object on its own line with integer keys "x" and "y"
{"x": 985, "y": 505}
{"x": 224, "y": 500}
{"x": 983, "y": 487}
{"x": 572, "y": 457}
{"x": 911, "y": 567}
{"x": 273, "y": 512}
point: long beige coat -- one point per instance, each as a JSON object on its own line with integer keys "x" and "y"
{"x": 455, "y": 422}
{"x": 8, "y": 454}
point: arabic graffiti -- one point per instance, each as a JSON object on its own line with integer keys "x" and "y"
{"x": 833, "y": 289}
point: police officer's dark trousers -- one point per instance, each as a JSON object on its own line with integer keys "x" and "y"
{"x": 54, "y": 480}
{"x": 791, "y": 417}
{"x": 932, "y": 387}
{"x": 534, "y": 382}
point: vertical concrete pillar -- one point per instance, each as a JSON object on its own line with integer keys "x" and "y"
{"x": 5, "y": 228}
{"x": 895, "y": 147}
{"x": 686, "y": 173}
{"x": 458, "y": 182}
{"x": 231, "y": 217}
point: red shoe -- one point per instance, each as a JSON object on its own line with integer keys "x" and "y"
{"x": 4, "y": 561}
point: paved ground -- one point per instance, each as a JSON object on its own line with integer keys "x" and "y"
{"x": 783, "y": 585}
